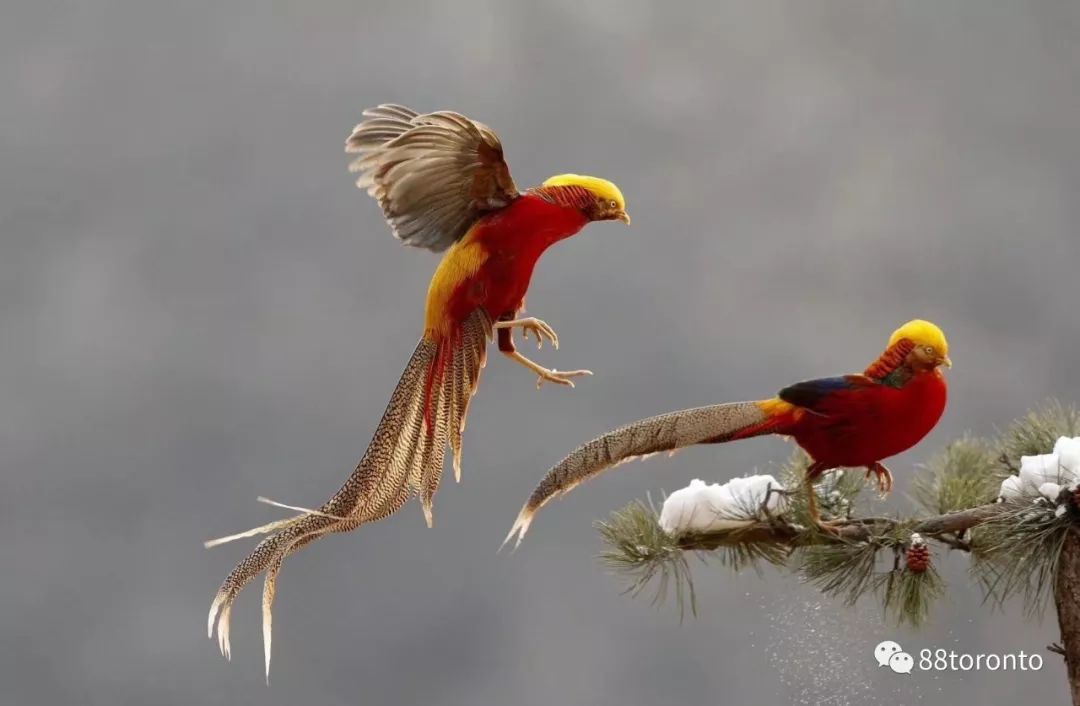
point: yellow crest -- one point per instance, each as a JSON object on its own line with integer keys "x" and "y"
{"x": 601, "y": 187}
{"x": 922, "y": 333}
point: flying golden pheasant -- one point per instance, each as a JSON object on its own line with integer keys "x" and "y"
{"x": 442, "y": 183}
{"x": 850, "y": 420}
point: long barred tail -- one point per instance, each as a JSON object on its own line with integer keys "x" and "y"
{"x": 667, "y": 432}
{"x": 426, "y": 412}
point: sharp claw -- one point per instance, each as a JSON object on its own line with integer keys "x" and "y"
{"x": 534, "y": 327}
{"x": 561, "y": 378}
{"x": 883, "y": 478}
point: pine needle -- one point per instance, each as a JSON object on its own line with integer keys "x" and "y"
{"x": 908, "y": 596}
{"x": 840, "y": 569}
{"x": 640, "y": 550}
{"x": 963, "y": 475}
{"x": 1036, "y": 432}
{"x": 1016, "y": 554}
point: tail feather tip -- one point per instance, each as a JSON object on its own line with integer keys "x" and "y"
{"x": 267, "y": 637}
{"x": 520, "y": 528}
{"x": 214, "y": 607}
{"x": 223, "y": 633}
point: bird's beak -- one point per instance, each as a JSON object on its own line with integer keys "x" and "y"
{"x": 624, "y": 217}
{"x": 946, "y": 362}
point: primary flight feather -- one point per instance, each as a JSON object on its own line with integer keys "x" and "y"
{"x": 443, "y": 184}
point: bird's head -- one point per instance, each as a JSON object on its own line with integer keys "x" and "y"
{"x": 929, "y": 347}
{"x": 601, "y": 200}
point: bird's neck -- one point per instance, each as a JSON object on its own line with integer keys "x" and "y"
{"x": 899, "y": 378}
{"x": 889, "y": 368}
{"x": 546, "y": 215}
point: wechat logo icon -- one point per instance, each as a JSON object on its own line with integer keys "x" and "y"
{"x": 890, "y": 654}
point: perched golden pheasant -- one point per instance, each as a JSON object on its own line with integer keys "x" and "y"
{"x": 850, "y": 420}
{"x": 442, "y": 183}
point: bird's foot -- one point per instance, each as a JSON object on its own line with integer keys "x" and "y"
{"x": 537, "y": 327}
{"x": 832, "y": 527}
{"x": 559, "y": 378}
{"x": 564, "y": 377}
{"x": 884, "y": 478}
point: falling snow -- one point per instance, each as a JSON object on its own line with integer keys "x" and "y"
{"x": 823, "y": 654}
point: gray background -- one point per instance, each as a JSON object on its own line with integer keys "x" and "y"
{"x": 198, "y": 307}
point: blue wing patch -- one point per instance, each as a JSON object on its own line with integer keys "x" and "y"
{"x": 810, "y": 394}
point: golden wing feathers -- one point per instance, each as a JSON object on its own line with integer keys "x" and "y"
{"x": 433, "y": 175}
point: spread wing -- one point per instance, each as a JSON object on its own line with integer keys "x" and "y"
{"x": 433, "y": 175}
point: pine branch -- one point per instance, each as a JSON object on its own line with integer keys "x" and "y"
{"x": 851, "y": 530}
{"x": 843, "y": 562}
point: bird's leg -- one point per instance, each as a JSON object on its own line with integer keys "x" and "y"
{"x": 763, "y": 510}
{"x": 541, "y": 330}
{"x": 559, "y": 377}
{"x": 811, "y": 501}
{"x": 884, "y": 477}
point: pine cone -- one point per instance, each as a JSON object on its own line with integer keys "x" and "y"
{"x": 917, "y": 556}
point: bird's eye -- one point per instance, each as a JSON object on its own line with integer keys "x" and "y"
{"x": 613, "y": 204}
{"x": 929, "y": 350}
